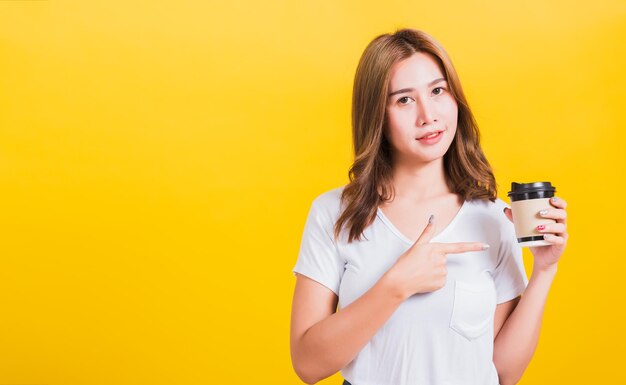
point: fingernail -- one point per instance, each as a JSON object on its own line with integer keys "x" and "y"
{"x": 541, "y": 227}
{"x": 485, "y": 246}
{"x": 543, "y": 212}
{"x": 431, "y": 218}
{"x": 554, "y": 199}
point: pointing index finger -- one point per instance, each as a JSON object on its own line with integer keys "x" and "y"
{"x": 462, "y": 247}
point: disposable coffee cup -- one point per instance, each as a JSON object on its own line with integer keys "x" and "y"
{"x": 527, "y": 199}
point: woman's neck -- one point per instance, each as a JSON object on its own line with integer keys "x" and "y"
{"x": 420, "y": 182}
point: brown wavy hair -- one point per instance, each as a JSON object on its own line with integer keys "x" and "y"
{"x": 467, "y": 170}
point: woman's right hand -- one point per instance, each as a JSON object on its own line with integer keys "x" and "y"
{"x": 422, "y": 268}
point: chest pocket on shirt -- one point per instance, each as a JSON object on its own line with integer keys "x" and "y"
{"x": 474, "y": 306}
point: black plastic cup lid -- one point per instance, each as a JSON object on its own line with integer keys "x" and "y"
{"x": 522, "y": 191}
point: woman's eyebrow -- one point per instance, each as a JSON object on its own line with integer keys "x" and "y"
{"x": 403, "y": 90}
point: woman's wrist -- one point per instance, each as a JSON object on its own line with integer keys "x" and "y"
{"x": 391, "y": 284}
{"x": 545, "y": 270}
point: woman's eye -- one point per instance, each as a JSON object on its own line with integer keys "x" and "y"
{"x": 404, "y": 100}
{"x": 438, "y": 91}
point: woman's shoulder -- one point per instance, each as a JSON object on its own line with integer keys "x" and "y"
{"x": 325, "y": 208}
{"x": 491, "y": 208}
{"x": 488, "y": 204}
{"x": 491, "y": 213}
{"x": 329, "y": 201}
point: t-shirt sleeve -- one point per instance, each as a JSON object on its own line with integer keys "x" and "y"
{"x": 319, "y": 257}
{"x": 510, "y": 276}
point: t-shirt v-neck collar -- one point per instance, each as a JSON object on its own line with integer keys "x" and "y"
{"x": 399, "y": 234}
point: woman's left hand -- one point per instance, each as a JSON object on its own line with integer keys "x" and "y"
{"x": 546, "y": 257}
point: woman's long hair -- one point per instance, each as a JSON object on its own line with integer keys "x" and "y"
{"x": 467, "y": 171}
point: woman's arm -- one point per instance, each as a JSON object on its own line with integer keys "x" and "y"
{"x": 322, "y": 341}
{"x": 517, "y": 340}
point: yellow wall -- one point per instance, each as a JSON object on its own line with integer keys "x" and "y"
{"x": 157, "y": 161}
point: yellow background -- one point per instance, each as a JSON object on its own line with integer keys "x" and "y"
{"x": 158, "y": 159}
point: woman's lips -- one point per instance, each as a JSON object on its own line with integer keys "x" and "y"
{"x": 432, "y": 140}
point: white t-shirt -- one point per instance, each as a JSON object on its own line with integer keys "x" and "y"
{"x": 443, "y": 337}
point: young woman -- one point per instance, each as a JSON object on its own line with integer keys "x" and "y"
{"x": 417, "y": 251}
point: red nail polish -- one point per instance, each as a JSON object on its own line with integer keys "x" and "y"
{"x": 541, "y": 227}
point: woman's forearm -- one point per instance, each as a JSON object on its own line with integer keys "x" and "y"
{"x": 332, "y": 343}
{"x": 517, "y": 340}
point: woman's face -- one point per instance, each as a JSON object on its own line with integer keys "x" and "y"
{"x": 419, "y": 103}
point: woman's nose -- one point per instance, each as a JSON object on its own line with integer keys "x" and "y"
{"x": 425, "y": 113}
